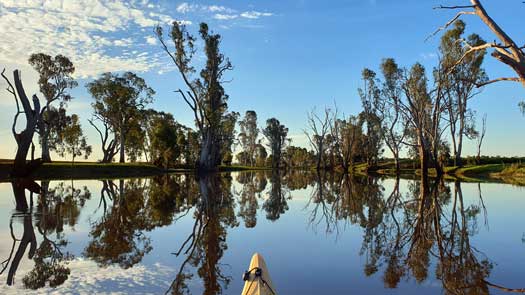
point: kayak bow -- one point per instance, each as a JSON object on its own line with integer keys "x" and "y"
{"x": 257, "y": 279}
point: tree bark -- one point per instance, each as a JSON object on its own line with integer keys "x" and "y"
{"x": 44, "y": 138}
{"x": 209, "y": 157}
{"x": 24, "y": 138}
{"x": 122, "y": 139}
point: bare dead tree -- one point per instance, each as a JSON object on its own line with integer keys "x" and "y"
{"x": 318, "y": 130}
{"x": 32, "y": 114}
{"x": 481, "y": 136}
{"x": 506, "y": 50}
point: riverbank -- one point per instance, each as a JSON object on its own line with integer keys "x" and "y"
{"x": 512, "y": 173}
{"x": 94, "y": 170}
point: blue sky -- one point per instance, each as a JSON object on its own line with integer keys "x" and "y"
{"x": 289, "y": 56}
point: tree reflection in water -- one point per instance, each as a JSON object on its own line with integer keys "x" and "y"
{"x": 205, "y": 246}
{"x": 404, "y": 231}
{"x": 54, "y": 208}
{"x": 253, "y": 184}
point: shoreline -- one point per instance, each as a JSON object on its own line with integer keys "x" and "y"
{"x": 510, "y": 173}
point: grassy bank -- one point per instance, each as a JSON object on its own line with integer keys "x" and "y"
{"x": 514, "y": 174}
{"x": 88, "y": 170}
{"x": 492, "y": 171}
{"x": 93, "y": 170}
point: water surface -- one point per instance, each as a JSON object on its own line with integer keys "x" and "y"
{"x": 319, "y": 234}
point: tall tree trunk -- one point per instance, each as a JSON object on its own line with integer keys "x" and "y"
{"x": 398, "y": 165}
{"x": 44, "y": 140}
{"x": 424, "y": 156}
{"x": 209, "y": 157}
{"x": 454, "y": 144}
{"x": 24, "y": 139}
{"x": 122, "y": 139}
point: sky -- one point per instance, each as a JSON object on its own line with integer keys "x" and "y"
{"x": 288, "y": 56}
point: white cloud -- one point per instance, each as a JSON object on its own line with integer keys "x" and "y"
{"x": 221, "y": 16}
{"x": 255, "y": 14}
{"x": 123, "y": 42}
{"x": 91, "y": 33}
{"x": 185, "y": 7}
{"x": 215, "y": 8}
{"x": 151, "y": 40}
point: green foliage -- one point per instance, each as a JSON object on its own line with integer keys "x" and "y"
{"x": 55, "y": 76}
{"x": 275, "y": 134}
{"x": 298, "y": 157}
{"x": 55, "y": 79}
{"x": 248, "y": 135}
{"x": 119, "y": 100}
{"x": 74, "y": 142}
{"x": 227, "y": 138}
{"x": 370, "y": 95}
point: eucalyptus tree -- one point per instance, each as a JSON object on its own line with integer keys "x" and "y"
{"x": 204, "y": 95}
{"x": 388, "y": 106}
{"x": 260, "y": 155}
{"x": 418, "y": 111}
{"x": 54, "y": 82}
{"x": 75, "y": 143}
{"x": 249, "y": 132}
{"x": 119, "y": 100}
{"x": 276, "y": 135}
{"x": 24, "y": 138}
{"x": 369, "y": 95}
{"x": 505, "y": 50}
{"x": 162, "y": 143}
{"x": 460, "y": 83}
{"x": 227, "y": 137}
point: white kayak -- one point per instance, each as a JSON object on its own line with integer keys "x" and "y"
{"x": 257, "y": 279}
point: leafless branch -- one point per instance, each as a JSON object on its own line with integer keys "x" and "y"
{"x": 457, "y": 16}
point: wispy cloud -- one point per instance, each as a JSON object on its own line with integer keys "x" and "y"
{"x": 221, "y": 16}
{"x": 186, "y": 7}
{"x": 255, "y": 14}
{"x": 220, "y": 12}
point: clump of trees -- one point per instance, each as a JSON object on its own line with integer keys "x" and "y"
{"x": 118, "y": 106}
{"x": 276, "y": 136}
{"x": 57, "y": 130}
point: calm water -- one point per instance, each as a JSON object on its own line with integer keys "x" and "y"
{"x": 319, "y": 235}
